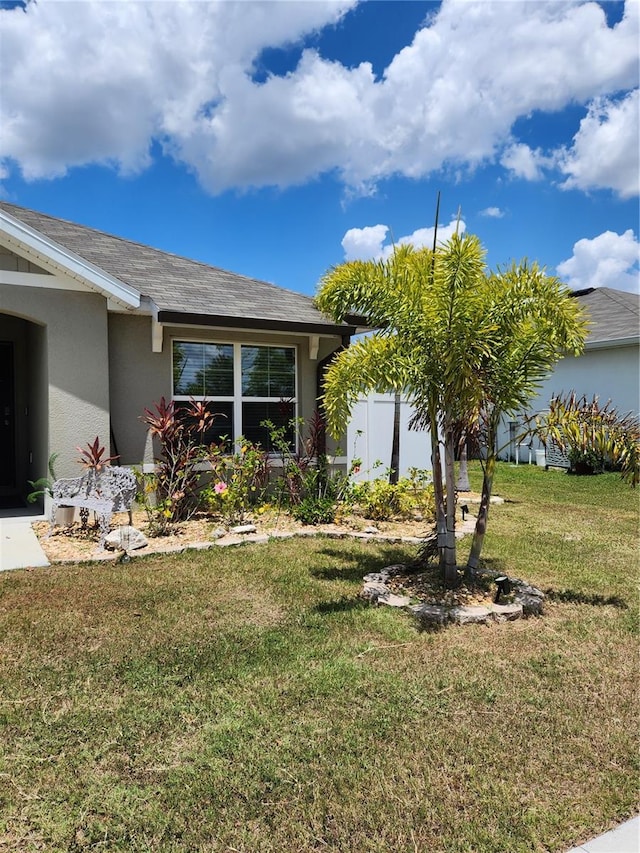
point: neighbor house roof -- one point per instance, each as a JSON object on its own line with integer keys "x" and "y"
{"x": 183, "y": 290}
{"x": 614, "y": 315}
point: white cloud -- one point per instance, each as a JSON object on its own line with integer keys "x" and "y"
{"x": 492, "y": 212}
{"x": 608, "y": 260}
{"x": 524, "y": 162}
{"x": 364, "y": 243}
{"x": 606, "y": 149}
{"x": 368, "y": 243}
{"x": 99, "y": 82}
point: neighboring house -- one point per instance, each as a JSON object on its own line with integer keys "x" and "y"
{"x": 609, "y": 367}
{"x": 94, "y": 328}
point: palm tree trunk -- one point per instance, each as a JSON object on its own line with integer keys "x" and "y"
{"x": 394, "y": 470}
{"x": 450, "y": 567}
{"x": 483, "y": 513}
{"x": 438, "y": 491}
{"x": 462, "y": 483}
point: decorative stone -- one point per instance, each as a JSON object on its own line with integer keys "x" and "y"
{"x": 430, "y": 614}
{"x": 244, "y": 528}
{"x": 507, "y": 612}
{"x": 218, "y": 533}
{"x": 469, "y": 615}
{"x": 378, "y": 577}
{"x": 393, "y": 600}
{"x": 527, "y": 589}
{"x": 226, "y": 541}
{"x": 372, "y": 591}
{"x": 371, "y": 529}
{"x": 125, "y": 538}
{"x": 200, "y": 546}
{"x": 282, "y": 534}
{"x": 395, "y": 569}
{"x": 532, "y": 605}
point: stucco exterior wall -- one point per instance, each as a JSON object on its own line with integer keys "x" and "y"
{"x": 611, "y": 373}
{"x": 73, "y": 349}
{"x": 140, "y": 377}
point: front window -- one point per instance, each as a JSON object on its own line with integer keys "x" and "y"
{"x": 243, "y": 384}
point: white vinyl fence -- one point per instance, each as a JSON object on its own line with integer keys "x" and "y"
{"x": 370, "y": 435}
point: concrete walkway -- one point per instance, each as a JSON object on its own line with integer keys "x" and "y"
{"x": 624, "y": 839}
{"x": 19, "y": 546}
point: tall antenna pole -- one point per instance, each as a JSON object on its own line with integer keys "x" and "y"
{"x": 435, "y": 237}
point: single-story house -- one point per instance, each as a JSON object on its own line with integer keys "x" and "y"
{"x": 94, "y": 328}
{"x": 609, "y": 367}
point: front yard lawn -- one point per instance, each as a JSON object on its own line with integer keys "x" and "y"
{"x": 247, "y": 699}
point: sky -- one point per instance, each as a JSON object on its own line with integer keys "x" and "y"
{"x": 278, "y": 139}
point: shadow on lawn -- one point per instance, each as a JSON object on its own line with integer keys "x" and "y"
{"x": 355, "y": 565}
{"x": 570, "y": 596}
{"x": 342, "y": 605}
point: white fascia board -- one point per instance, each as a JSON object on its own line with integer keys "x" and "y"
{"x": 48, "y": 253}
{"x": 618, "y": 342}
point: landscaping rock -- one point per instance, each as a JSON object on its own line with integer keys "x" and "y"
{"x": 218, "y": 533}
{"x": 395, "y": 569}
{"x": 373, "y": 590}
{"x": 470, "y": 615}
{"x": 200, "y": 546}
{"x": 378, "y": 577}
{"x": 527, "y": 589}
{"x": 393, "y": 600}
{"x": 244, "y": 528}
{"x": 371, "y": 529}
{"x": 532, "y": 605}
{"x": 257, "y": 538}
{"x": 125, "y": 538}
{"x": 227, "y": 541}
{"x": 430, "y": 614}
{"x": 507, "y": 612}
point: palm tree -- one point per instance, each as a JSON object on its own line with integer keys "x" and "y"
{"x": 468, "y": 346}
{"x": 430, "y": 337}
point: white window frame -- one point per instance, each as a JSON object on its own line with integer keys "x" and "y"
{"x": 237, "y": 399}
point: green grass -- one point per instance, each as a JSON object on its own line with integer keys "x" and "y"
{"x": 246, "y": 700}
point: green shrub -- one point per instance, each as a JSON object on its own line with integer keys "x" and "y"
{"x": 315, "y": 510}
{"x": 239, "y": 480}
{"x": 382, "y": 501}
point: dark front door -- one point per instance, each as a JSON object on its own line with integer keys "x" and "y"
{"x": 7, "y": 418}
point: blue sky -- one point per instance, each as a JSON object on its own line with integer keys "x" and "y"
{"x": 276, "y": 139}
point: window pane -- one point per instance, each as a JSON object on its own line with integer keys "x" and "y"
{"x": 202, "y": 370}
{"x": 188, "y": 376}
{"x": 268, "y": 372}
{"x": 280, "y": 414}
{"x": 218, "y": 370}
{"x": 222, "y": 427}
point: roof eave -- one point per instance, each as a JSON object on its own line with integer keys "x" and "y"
{"x": 48, "y": 251}
{"x": 255, "y": 323}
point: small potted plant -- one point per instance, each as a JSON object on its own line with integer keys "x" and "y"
{"x": 43, "y": 488}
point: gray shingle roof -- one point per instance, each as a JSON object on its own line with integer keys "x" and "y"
{"x": 614, "y": 314}
{"x": 198, "y": 293}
